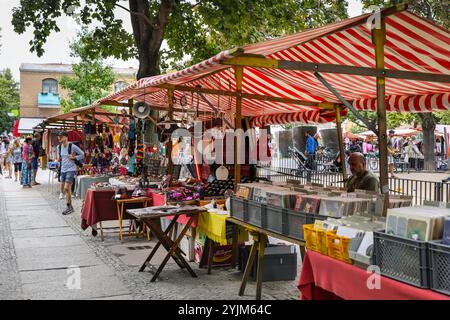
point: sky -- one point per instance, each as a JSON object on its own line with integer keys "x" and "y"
{"x": 14, "y": 48}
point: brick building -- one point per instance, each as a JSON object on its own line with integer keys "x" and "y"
{"x": 41, "y": 94}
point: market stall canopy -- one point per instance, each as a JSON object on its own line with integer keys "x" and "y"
{"x": 26, "y": 125}
{"x": 69, "y": 118}
{"x": 397, "y": 132}
{"x": 279, "y": 74}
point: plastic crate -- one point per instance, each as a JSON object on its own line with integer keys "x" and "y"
{"x": 275, "y": 218}
{"x": 311, "y": 218}
{"x": 402, "y": 259}
{"x": 338, "y": 247}
{"x": 439, "y": 255}
{"x": 316, "y": 240}
{"x": 256, "y": 213}
{"x": 238, "y": 208}
{"x": 295, "y": 221}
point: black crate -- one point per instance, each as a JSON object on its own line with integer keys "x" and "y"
{"x": 256, "y": 213}
{"x": 294, "y": 224}
{"x": 439, "y": 255}
{"x": 238, "y": 208}
{"x": 402, "y": 259}
{"x": 311, "y": 218}
{"x": 280, "y": 263}
{"x": 275, "y": 218}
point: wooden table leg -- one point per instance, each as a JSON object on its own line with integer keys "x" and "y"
{"x": 101, "y": 231}
{"x": 235, "y": 244}
{"x": 158, "y": 244}
{"x": 167, "y": 243}
{"x": 119, "y": 216}
{"x": 260, "y": 268}
{"x": 302, "y": 252}
{"x": 211, "y": 248}
{"x": 173, "y": 251}
{"x": 249, "y": 266}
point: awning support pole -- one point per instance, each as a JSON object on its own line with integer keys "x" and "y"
{"x": 379, "y": 40}
{"x": 340, "y": 140}
{"x": 367, "y": 122}
{"x": 239, "y": 74}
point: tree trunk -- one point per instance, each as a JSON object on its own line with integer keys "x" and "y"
{"x": 428, "y": 127}
{"x": 148, "y": 34}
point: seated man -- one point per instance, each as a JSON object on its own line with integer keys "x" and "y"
{"x": 361, "y": 178}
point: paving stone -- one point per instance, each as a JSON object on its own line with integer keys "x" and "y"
{"x": 30, "y": 222}
{"x": 43, "y": 232}
{"x": 43, "y": 242}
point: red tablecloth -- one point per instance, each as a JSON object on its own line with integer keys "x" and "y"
{"x": 99, "y": 206}
{"x": 159, "y": 200}
{"x": 324, "y": 278}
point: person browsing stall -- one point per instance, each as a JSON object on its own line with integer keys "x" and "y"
{"x": 361, "y": 177}
{"x": 69, "y": 154}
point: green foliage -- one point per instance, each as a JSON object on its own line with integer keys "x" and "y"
{"x": 92, "y": 77}
{"x": 394, "y": 119}
{"x": 435, "y": 10}
{"x": 9, "y": 99}
{"x": 357, "y": 129}
{"x": 194, "y": 31}
{"x": 442, "y": 117}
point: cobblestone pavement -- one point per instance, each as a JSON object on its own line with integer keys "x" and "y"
{"x": 121, "y": 262}
{"x": 10, "y": 284}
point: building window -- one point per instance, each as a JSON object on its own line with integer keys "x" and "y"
{"x": 49, "y": 86}
{"x": 119, "y": 85}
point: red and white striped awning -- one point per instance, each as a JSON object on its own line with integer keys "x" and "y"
{"x": 412, "y": 44}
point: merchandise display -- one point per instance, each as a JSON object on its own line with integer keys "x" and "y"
{"x": 423, "y": 223}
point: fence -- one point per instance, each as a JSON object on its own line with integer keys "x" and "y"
{"x": 418, "y": 189}
{"x": 416, "y": 164}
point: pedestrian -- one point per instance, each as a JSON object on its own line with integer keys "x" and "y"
{"x": 37, "y": 150}
{"x": 310, "y": 150}
{"x": 17, "y": 159}
{"x": 2, "y": 153}
{"x": 27, "y": 157}
{"x": 391, "y": 151}
{"x": 69, "y": 157}
{"x": 8, "y": 159}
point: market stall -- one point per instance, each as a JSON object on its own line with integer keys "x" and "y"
{"x": 318, "y": 281}
{"x": 315, "y": 76}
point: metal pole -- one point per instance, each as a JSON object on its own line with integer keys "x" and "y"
{"x": 238, "y": 73}
{"x": 379, "y": 39}
{"x": 340, "y": 140}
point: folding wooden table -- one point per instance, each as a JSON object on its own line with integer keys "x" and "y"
{"x": 151, "y": 216}
{"x": 145, "y": 201}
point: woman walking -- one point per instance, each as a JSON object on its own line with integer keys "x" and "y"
{"x": 17, "y": 159}
{"x": 27, "y": 157}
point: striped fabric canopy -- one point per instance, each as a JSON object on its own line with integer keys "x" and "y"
{"x": 412, "y": 44}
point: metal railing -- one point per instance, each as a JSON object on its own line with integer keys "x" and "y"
{"x": 420, "y": 190}
{"x": 415, "y": 164}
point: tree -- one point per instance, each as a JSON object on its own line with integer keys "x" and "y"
{"x": 9, "y": 99}
{"x": 394, "y": 119}
{"x": 93, "y": 78}
{"x": 196, "y": 30}
{"x": 437, "y": 11}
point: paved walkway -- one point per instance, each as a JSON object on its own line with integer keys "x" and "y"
{"x": 38, "y": 246}
{"x": 45, "y": 257}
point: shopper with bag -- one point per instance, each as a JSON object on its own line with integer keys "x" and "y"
{"x": 70, "y": 157}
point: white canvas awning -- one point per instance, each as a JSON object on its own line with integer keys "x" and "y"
{"x": 26, "y": 125}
